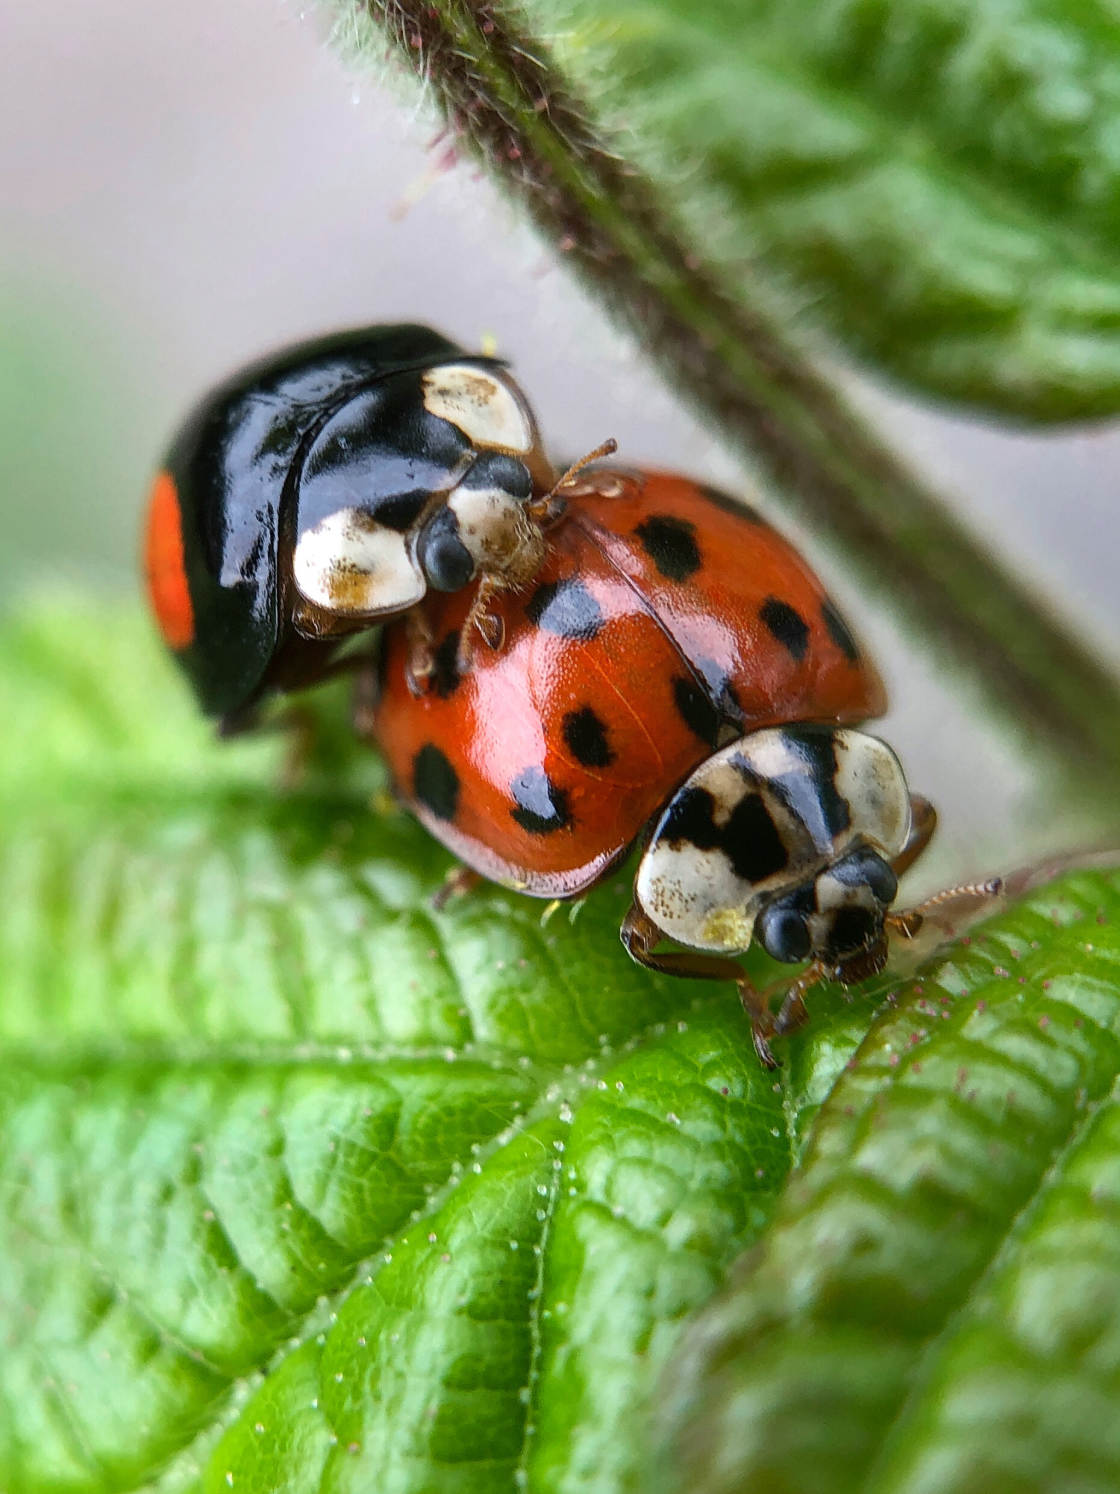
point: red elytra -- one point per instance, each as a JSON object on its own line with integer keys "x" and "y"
{"x": 667, "y": 619}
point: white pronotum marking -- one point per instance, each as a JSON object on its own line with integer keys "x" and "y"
{"x": 484, "y": 406}
{"x": 350, "y": 563}
{"x": 870, "y": 778}
{"x": 694, "y": 895}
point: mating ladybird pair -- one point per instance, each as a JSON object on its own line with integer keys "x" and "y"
{"x": 565, "y": 662}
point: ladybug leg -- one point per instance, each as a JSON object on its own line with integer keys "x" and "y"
{"x": 459, "y": 881}
{"x": 548, "y": 510}
{"x": 296, "y": 722}
{"x": 481, "y": 621}
{"x": 923, "y": 822}
{"x": 946, "y": 910}
{"x": 640, "y": 934}
{"x": 793, "y": 1013}
{"x": 420, "y": 663}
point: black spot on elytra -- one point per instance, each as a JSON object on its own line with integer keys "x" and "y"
{"x": 722, "y": 693}
{"x": 566, "y": 608}
{"x": 400, "y": 511}
{"x": 839, "y": 632}
{"x": 732, "y": 505}
{"x": 750, "y": 839}
{"x": 851, "y": 928}
{"x": 810, "y": 791}
{"x": 586, "y": 738}
{"x": 787, "y": 625}
{"x": 671, "y": 544}
{"x": 435, "y": 782}
{"x": 445, "y": 677}
{"x": 541, "y": 807}
{"x": 696, "y": 709}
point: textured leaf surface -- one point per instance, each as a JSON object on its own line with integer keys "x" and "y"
{"x": 452, "y": 1180}
{"x": 936, "y": 179}
{"x": 936, "y": 1305}
{"x": 307, "y": 1187}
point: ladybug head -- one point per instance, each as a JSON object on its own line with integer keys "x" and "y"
{"x": 483, "y": 527}
{"x": 835, "y": 917}
{"x": 785, "y": 836}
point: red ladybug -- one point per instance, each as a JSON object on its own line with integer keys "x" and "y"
{"x": 674, "y": 664}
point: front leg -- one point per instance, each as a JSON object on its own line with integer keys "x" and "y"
{"x": 421, "y": 661}
{"x": 640, "y": 935}
{"x": 458, "y": 882}
{"x": 481, "y": 622}
{"x": 923, "y": 822}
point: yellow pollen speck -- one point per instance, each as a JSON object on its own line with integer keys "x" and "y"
{"x": 730, "y": 928}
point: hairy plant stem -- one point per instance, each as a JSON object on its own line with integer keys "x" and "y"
{"x": 501, "y": 93}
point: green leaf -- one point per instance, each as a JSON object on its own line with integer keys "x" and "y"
{"x": 263, "y": 1110}
{"x": 306, "y": 1186}
{"x": 936, "y": 1304}
{"x": 937, "y": 179}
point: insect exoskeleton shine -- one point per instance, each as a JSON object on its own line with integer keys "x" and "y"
{"x": 329, "y": 487}
{"x": 674, "y": 664}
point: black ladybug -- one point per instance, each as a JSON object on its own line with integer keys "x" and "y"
{"x": 327, "y": 488}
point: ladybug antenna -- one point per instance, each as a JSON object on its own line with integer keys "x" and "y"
{"x": 608, "y": 448}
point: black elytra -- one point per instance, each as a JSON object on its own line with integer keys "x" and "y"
{"x": 289, "y": 440}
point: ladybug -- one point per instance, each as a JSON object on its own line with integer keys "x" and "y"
{"x": 329, "y": 487}
{"x": 675, "y": 669}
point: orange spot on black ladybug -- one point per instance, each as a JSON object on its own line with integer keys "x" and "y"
{"x": 164, "y": 567}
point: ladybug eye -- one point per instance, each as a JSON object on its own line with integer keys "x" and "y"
{"x": 783, "y": 934}
{"x": 444, "y": 559}
{"x": 865, "y": 868}
{"x": 880, "y": 879}
{"x": 504, "y": 474}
